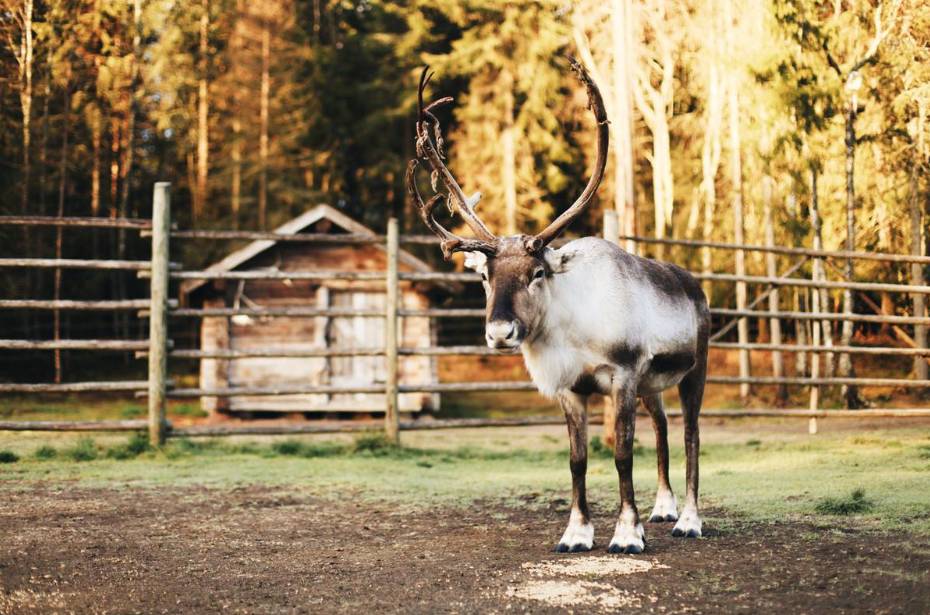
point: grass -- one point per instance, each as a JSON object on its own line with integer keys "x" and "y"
{"x": 752, "y": 474}
{"x": 84, "y": 450}
{"x": 852, "y": 504}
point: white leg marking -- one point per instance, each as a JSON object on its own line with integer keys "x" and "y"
{"x": 628, "y": 538}
{"x": 689, "y": 524}
{"x": 578, "y": 536}
{"x": 666, "y": 508}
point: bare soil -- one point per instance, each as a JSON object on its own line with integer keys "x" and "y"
{"x": 260, "y": 550}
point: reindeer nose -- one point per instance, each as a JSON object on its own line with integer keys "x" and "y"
{"x": 503, "y": 334}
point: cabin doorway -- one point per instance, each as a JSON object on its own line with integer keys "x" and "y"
{"x": 356, "y": 332}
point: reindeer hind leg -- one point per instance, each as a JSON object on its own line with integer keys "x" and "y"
{"x": 691, "y": 390}
{"x": 666, "y": 507}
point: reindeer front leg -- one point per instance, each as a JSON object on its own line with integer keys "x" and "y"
{"x": 629, "y": 536}
{"x": 579, "y": 535}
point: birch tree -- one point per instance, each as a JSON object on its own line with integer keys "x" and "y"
{"x": 654, "y": 95}
{"x": 603, "y": 36}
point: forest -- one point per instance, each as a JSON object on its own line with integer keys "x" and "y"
{"x": 798, "y": 123}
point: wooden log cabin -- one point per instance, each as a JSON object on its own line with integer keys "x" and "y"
{"x": 249, "y": 333}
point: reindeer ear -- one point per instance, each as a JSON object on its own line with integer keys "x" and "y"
{"x": 558, "y": 260}
{"x": 476, "y": 261}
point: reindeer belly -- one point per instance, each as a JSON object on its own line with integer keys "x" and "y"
{"x": 664, "y": 371}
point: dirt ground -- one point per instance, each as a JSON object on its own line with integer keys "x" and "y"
{"x": 260, "y": 550}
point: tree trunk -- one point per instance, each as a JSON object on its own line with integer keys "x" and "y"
{"x": 850, "y": 392}
{"x": 800, "y": 333}
{"x": 771, "y": 269}
{"x": 263, "y": 136}
{"x": 203, "y": 143}
{"x": 25, "y": 57}
{"x": 129, "y": 133}
{"x": 710, "y": 164}
{"x": 62, "y": 187}
{"x": 736, "y": 177}
{"x": 115, "y": 278}
{"x": 917, "y": 277}
{"x": 826, "y": 325}
{"x": 236, "y": 188}
{"x": 662, "y": 183}
{"x": 508, "y": 156}
{"x": 43, "y": 143}
{"x": 622, "y": 120}
{"x": 95, "y": 139}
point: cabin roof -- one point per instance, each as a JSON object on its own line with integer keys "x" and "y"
{"x": 293, "y": 227}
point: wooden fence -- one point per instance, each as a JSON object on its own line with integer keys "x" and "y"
{"x": 159, "y": 307}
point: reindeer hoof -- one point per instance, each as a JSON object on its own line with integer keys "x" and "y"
{"x": 575, "y": 548}
{"x": 629, "y": 539}
{"x": 666, "y": 508}
{"x": 663, "y": 518}
{"x": 688, "y": 526}
{"x": 631, "y": 549}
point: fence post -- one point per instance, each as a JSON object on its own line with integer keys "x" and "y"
{"x": 158, "y": 314}
{"x": 611, "y": 234}
{"x": 771, "y": 270}
{"x": 917, "y": 279}
{"x": 391, "y": 418}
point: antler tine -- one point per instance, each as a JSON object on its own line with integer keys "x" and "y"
{"x": 432, "y": 152}
{"x": 450, "y": 242}
{"x": 596, "y": 104}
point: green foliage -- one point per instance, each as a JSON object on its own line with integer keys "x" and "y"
{"x": 376, "y": 444}
{"x": 295, "y": 448}
{"x": 84, "y": 450}
{"x": 8, "y": 457}
{"x": 599, "y": 449}
{"x": 138, "y": 444}
{"x": 46, "y": 452}
{"x": 852, "y": 504}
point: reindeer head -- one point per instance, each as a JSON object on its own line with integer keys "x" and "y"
{"x": 516, "y": 271}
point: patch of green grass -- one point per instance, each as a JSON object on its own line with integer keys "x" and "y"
{"x": 754, "y": 442}
{"x": 295, "y": 448}
{"x": 783, "y": 480}
{"x": 923, "y": 452}
{"x": 45, "y": 452}
{"x": 853, "y": 504}
{"x": 8, "y": 457}
{"x": 132, "y": 412}
{"x": 138, "y": 444}
{"x": 376, "y": 444}
{"x": 84, "y": 450}
{"x": 597, "y": 448}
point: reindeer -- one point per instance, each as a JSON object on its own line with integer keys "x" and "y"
{"x": 589, "y": 318}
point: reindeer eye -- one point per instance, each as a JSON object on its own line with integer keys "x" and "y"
{"x": 538, "y": 274}
{"x": 484, "y": 277}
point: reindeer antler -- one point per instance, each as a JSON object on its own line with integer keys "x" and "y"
{"x": 596, "y": 104}
{"x": 432, "y": 152}
{"x": 430, "y": 149}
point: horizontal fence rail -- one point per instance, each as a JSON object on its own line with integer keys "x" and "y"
{"x": 159, "y": 343}
{"x": 122, "y": 345}
{"x": 843, "y": 254}
{"x": 99, "y": 306}
{"x": 75, "y": 387}
{"x": 126, "y": 223}
{"x": 275, "y": 275}
{"x": 77, "y": 263}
